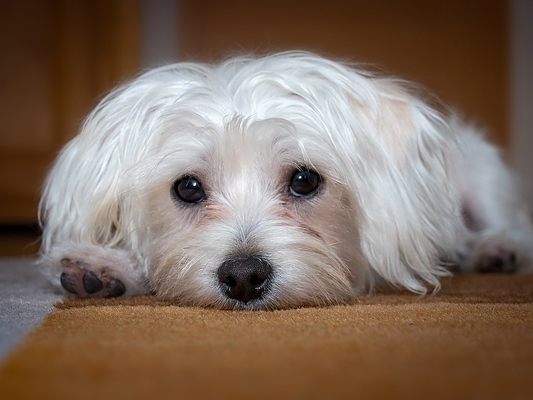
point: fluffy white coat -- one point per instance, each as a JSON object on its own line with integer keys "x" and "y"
{"x": 405, "y": 192}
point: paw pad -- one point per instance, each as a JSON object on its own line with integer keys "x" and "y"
{"x": 91, "y": 283}
{"x": 497, "y": 262}
{"x": 79, "y": 278}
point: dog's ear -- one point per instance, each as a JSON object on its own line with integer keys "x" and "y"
{"x": 407, "y": 206}
{"x": 93, "y": 195}
{"x": 86, "y": 198}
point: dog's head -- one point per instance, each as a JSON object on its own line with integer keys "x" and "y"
{"x": 261, "y": 183}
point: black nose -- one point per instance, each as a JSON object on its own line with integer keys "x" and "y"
{"x": 244, "y": 279}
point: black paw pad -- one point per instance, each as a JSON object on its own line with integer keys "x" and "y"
{"x": 498, "y": 263}
{"x": 91, "y": 283}
{"x": 68, "y": 284}
{"x": 492, "y": 264}
{"x": 116, "y": 288}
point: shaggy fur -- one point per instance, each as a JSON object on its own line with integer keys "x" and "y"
{"x": 405, "y": 192}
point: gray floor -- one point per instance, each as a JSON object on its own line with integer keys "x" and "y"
{"x": 25, "y": 298}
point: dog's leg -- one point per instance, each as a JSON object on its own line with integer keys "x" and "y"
{"x": 499, "y": 235}
{"x": 92, "y": 271}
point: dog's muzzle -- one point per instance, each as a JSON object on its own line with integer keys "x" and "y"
{"x": 245, "y": 279}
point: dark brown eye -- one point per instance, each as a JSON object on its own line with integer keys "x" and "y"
{"x": 304, "y": 183}
{"x": 188, "y": 189}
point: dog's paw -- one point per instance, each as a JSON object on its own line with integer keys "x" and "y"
{"x": 86, "y": 280}
{"x": 496, "y": 260}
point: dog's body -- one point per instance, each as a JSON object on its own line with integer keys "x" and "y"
{"x": 275, "y": 182}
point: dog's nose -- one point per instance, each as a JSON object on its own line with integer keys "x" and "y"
{"x": 244, "y": 279}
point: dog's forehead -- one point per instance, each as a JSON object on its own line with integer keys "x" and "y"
{"x": 251, "y": 148}
{"x": 210, "y": 131}
{"x": 238, "y": 136}
{"x": 248, "y": 138}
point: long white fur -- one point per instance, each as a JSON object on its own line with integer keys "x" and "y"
{"x": 395, "y": 173}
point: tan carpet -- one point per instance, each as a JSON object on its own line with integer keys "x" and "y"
{"x": 474, "y": 340}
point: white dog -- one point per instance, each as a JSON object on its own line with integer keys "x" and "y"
{"x": 273, "y": 182}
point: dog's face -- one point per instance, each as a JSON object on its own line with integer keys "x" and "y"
{"x": 256, "y": 213}
{"x": 259, "y": 183}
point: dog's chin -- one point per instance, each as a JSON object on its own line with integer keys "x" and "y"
{"x": 269, "y": 303}
{"x": 278, "y": 297}
{"x": 253, "y": 305}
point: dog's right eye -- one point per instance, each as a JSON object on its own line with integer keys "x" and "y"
{"x": 189, "y": 190}
{"x": 304, "y": 183}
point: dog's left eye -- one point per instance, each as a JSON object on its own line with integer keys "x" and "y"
{"x": 304, "y": 183}
{"x": 189, "y": 190}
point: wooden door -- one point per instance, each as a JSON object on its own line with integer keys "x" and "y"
{"x": 58, "y": 58}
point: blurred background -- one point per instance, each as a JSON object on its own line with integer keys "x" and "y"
{"x": 59, "y": 58}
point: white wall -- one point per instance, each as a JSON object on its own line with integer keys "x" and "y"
{"x": 159, "y": 32}
{"x": 521, "y": 92}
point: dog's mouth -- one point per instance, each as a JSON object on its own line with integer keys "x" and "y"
{"x": 268, "y": 296}
{"x": 252, "y": 305}
{"x": 271, "y": 303}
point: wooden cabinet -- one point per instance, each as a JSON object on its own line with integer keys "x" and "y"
{"x": 58, "y": 58}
